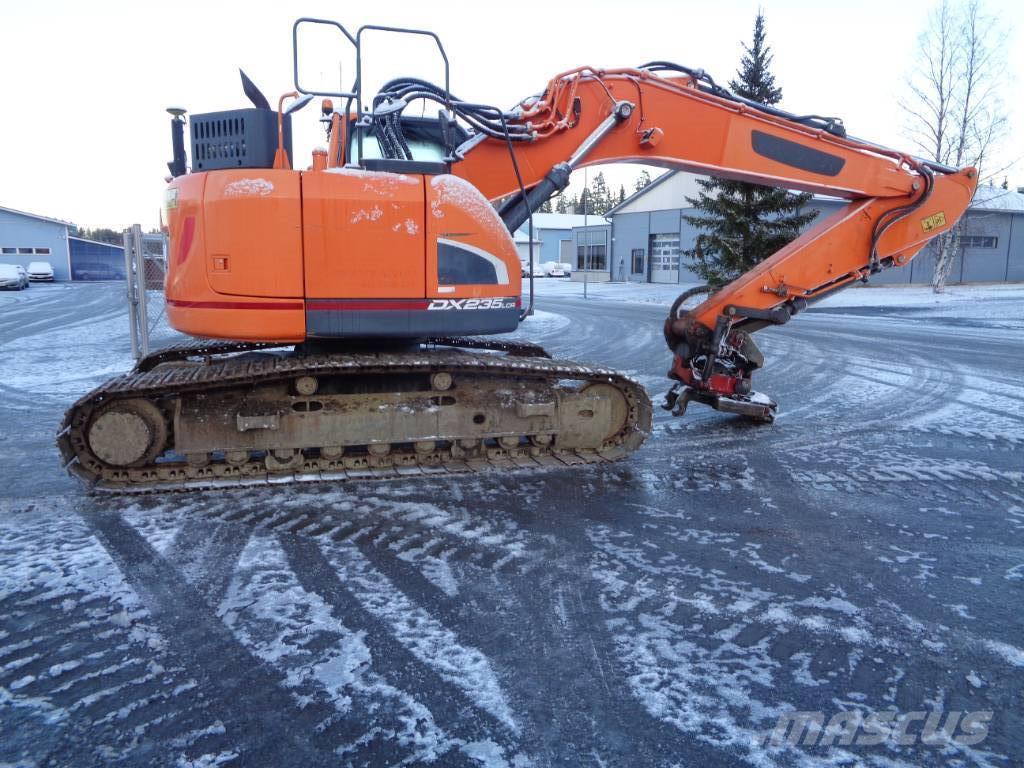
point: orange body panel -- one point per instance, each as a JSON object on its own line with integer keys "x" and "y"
{"x": 457, "y": 213}
{"x": 268, "y": 313}
{"x": 253, "y": 233}
{"x": 278, "y": 255}
{"x": 363, "y": 235}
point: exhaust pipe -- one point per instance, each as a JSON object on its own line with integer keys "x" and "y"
{"x": 177, "y": 164}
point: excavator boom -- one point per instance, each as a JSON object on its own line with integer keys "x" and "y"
{"x": 897, "y": 203}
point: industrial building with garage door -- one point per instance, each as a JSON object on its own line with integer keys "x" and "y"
{"x": 28, "y": 237}
{"x": 643, "y": 238}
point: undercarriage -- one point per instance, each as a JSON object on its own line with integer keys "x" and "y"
{"x": 213, "y": 414}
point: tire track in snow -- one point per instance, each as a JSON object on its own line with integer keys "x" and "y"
{"x": 466, "y": 700}
{"x": 79, "y": 654}
{"x": 206, "y": 554}
{"x": 535, "y": 623}
{"x": 245, "y": 693}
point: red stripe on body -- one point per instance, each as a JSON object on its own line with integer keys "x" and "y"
{"x": 235, "y": 304}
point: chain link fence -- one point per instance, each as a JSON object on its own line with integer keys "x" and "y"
{"x": 145, "y": 258}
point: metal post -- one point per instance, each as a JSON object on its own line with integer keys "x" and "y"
{"x": 586, "y": 236}
{"x": 130, "y": 293}
{"x": 679, "y": 253}
{"x": 140, "y": 277}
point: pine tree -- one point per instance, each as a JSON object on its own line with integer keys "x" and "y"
{"x": 600, "y": 198}
{"x": 560, "y": 204}
{"x": 743, "y": 224}
{"x": 642, "y": 180}
{"x": 545, "y": 207}
{"x": 622, "y": 193}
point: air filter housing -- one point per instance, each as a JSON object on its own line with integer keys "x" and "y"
{"x": 237, "y": 138}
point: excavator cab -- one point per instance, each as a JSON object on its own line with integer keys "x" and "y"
{"x": 428, "y": 138}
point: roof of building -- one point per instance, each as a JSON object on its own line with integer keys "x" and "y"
{"x": 986, "y": 198}
{"x": 643, "y": 191}
{"x": 558, "y": 220}
{"x": 523, "y": 237}
{"x": 595, "y": 224}
{"x": 36, "y": 216}
{"x": 98, "y": 242}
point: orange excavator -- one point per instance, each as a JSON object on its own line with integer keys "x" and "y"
{"x": 344, "y": 309}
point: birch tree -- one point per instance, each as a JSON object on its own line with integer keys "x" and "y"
{"x": 954, "y": 105}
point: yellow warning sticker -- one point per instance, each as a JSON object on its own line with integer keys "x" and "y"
{"x": 171, "y": 199}
{"x": 934, "y": 222}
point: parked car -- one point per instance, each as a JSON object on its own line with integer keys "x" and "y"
{"x": 40, "y": 271}
{"x": 524, "y": 269}
{"x": 94, "y": 270}
{"x": 22, "y": 272}
{"x": 555, "y": 269}
{"x": 11, "y": 279}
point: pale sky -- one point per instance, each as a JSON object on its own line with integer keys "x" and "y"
{"x": 84, "y": 85}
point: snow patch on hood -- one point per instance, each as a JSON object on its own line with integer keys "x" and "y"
{"x": 454, "y": 192}
{"x": 363, "y": 215}
{"x": 375, "y": 182}
{"x": 249, "y": 188}
{"x": 410, "y": 226}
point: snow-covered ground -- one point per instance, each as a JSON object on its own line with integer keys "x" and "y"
{"x": 1003, "y": 303}
{"x": 865, "y": 554}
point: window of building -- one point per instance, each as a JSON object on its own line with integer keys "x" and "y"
{"x": 637, "y": 257}
{"x": 596, "y": 257}
{"x": 665, "y": 251}
{"x": 25, "y": 250}
{"x": 42, "y": 251}
{"x": 8, "y": 250}
{"x": 979, "y": 241}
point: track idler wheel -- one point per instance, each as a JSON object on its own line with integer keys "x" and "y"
{"x": 128, "y": 433}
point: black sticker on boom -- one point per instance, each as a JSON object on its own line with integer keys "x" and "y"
{"x": 796, "y": 155}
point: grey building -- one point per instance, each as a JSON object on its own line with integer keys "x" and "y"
{"x": 553, "y": 232}
{"x": 26, "y": 237}
{"x": 644, "y": 237}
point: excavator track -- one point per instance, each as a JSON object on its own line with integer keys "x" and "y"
{"x": 222, "y": 415}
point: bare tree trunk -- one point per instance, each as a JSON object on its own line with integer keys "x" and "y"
{"x": 948, "y": 247}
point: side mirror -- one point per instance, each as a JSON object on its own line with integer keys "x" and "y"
{"x": 299, "y": 103}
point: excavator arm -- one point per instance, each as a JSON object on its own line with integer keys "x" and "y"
{"x": 897, "y": 203}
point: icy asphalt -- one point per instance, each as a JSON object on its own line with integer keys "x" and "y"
{"x": 864, "y": 553}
